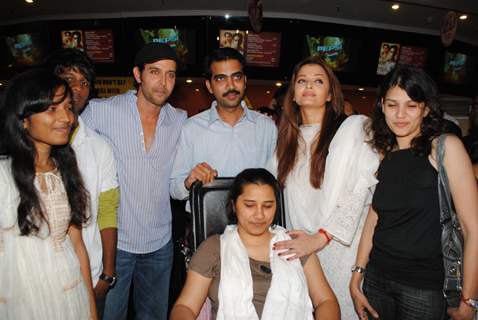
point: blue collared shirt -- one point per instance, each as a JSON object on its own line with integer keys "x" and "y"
{"x": 228, "y": 149}
{"x": 144, "y": 214}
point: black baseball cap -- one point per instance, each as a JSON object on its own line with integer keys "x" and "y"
{"x": 152, "y": 52}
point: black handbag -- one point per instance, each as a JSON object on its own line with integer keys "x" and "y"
{"x": 452, "y": 236}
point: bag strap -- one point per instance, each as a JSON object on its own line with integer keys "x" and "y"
{"x": 446, "y": 203}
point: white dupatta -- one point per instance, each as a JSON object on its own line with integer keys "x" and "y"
{"x": 288, "y": 296}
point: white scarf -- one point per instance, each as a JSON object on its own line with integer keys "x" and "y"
{"x": 288, "y": 296}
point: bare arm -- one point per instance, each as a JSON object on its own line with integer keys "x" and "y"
{"x": 464, "y": 191}
{"x": 361, "y": 303}
{"x": 108, "y": 242}
{"x": 192, "y": 297}
{"x": 76, "y": 239}
{"x": 323, "y": 298}
{"x": 107, "y": 222}
{"x": 109, "y": 239}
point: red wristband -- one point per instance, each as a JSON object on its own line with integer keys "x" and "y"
{"x": 326, "y": 235}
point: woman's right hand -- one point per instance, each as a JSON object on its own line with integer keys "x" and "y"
{"x": 361, "y": 304}
{"x": 302, "y": 244}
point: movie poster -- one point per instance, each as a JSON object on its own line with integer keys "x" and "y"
{"x": 388, "y": 58}
{"x": 25, "y": 48}
{"x": 73, "y": 39}
{"x": 333, "y": 50}
{"x": 175, "y": 38}
{"x": 454, "y": 69}
{"x": 259, "y": 49}
{"x": 235, "y": 39}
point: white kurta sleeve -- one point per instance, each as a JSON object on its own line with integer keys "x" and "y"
{"x": 349, "y": 180}
{"x": 9, "y": 199}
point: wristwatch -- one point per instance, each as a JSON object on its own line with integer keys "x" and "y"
{"x": 470, "y": 302}
{"x": 357, "y": 269}
{"x": 110, "y": 280}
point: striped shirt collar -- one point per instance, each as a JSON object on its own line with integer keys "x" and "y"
{"x": 167, "y": 110}
{"x": 214, "y": 115}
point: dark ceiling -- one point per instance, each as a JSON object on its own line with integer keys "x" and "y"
{"x": 420, "y": 16}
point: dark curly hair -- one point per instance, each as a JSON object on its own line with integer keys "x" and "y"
{"x": 420, "y": 87}
{"x": 29, "y": 93}
{"x": 62, "y": 60}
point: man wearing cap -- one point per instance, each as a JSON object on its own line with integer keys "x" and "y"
{"x": 143, "y": 130}
{"x": 228, "y": 137}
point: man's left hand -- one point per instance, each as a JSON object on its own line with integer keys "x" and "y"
{"x": 101, "y": 289}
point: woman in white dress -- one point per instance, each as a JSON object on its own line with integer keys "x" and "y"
{"x": 327, "y": 170}
{"x": 44, "y": 267}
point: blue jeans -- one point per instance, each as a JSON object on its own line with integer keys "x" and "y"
{"x": 150, "y": 274}
{"x": 395, "y": 301}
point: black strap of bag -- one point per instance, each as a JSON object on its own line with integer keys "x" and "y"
{"x": 452, "y": 237}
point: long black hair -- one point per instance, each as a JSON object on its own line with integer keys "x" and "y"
{"x": 420, "y": 88}
{"x": 29, "y": 93}
{"x": 256, "y": 176}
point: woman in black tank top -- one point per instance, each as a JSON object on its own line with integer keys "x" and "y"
{"x": 401, "y": 241}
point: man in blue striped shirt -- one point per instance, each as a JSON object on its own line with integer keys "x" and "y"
{"x": 228, "y": 137}
{"x": 143, "y": 130}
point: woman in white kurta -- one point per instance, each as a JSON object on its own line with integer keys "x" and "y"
{"x": 44, "y": 268}
{"x": 327, "y": 174}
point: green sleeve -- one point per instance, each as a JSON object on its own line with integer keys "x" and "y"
{"x": 107, "y": 207}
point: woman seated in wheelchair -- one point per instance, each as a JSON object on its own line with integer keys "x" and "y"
{"x": 241, "y": 274}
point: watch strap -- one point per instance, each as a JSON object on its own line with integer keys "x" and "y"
{"x": 108, "y": 279}
{"x": 358, "y": 269}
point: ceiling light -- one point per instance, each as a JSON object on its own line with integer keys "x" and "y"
{"x": 463, "y": 17}
{"x": 189, "y": 81}
{"x": 395, "y": 6}
{"x": 217, "y": 38}
{"x": 1, "y": 84}
{"x": 29, "y": 1}
{"x": 278, "y": 84}
{"x": 361, "y": 89}
{"x": 268, "y": 92}
{"x": 227, "y": 16}
{"x": 197, "y": 90}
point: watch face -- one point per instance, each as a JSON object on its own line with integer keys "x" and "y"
{"x": 109, "y": 280}
{"x": 357, "y": 269}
